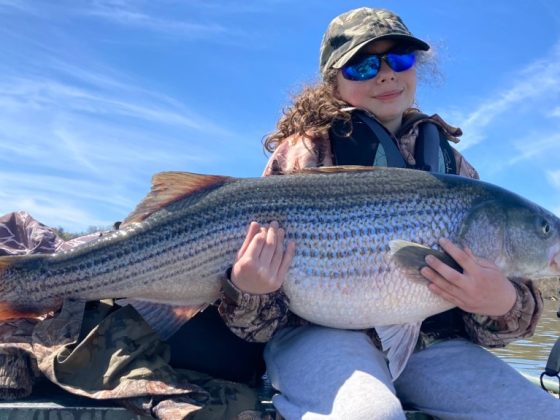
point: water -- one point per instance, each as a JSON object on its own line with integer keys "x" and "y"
{"x": 530, "y": 355}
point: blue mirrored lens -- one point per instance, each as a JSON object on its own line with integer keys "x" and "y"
{"x": 400, "y": 62}
{"x": 368, "y": 67}
{"x": 362, "y": 70}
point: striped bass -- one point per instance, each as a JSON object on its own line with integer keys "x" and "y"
{"x": 361, "y": 234}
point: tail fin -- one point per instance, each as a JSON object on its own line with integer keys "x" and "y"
{"x": 8, "y": 262}
{"x": 14, "y": 302}
{"x": 9, "y": 310}
{"x": 5, "y": 263}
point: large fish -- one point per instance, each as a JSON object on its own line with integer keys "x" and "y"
{"x": 361, "y": 235}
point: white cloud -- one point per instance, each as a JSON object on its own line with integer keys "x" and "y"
{"x": 49, "y": 138}
{"x": 46, "y": 93}
{"x": 208, "y": 7}
{"x": 58, "y": 200}
{"x": 58, "y": 213}
{"x": 173, "y": 19}
{"x": 177, "y": 23}
{"x": 536, "y": 144}
{"x": 52, "y": 185}
{"x": 144, "y": 21}
{"x": 537, "y": 82}
{"x": 554, "y": 178}
{"x": 555, "y": 112}
{"x": 19, "y": 5}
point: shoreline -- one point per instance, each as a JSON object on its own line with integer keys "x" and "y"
{"x": 550, "y": 288}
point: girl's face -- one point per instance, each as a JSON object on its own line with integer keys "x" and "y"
{"x": 387, "y": 95}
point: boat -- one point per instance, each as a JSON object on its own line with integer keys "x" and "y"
{"x": 49, "y": 402}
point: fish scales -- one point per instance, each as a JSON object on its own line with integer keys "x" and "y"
{"x": 342, "y": 274}
{"x": 132, "y": 257}
{"x": 361, "y": 237}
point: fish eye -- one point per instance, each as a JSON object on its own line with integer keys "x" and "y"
{"x": 544, "y": 228}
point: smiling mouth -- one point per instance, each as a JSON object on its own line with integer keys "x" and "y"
{"x": 388, "y": 95}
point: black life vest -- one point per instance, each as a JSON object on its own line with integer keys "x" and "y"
{"x": 371, "y": 144}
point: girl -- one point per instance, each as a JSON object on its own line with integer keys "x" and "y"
{"x": 367, "y": 65}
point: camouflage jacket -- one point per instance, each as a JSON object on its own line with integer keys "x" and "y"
{"x": 257, "y": 317}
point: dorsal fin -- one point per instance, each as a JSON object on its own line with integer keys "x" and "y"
{"x": 168, "y": 187}
{"x": 337, "y": 169}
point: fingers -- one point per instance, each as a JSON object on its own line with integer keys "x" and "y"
{"x": 464, "y": 258}
{"x": 262, "y": 263}
{"x": 287, "y": 260}
{"x": 441, "y": 278}
{"x": 445, "y": 271}
{"x": 270, "y": 244}
{"x": 254, "y": 228}
{"x": 446, "y": 281}
{"x": 278, "y": 252}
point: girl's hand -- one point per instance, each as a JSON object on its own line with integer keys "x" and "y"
{"x": 481, "y": 288}
{"x": 262, "y": 263}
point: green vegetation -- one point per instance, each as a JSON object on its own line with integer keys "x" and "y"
{"x": 62, "y": 233}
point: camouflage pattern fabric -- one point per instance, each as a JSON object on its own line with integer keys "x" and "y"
{"x": 103, "y": 351}
{"x": 123, "y": 356}
{"x": 18, "y": 368}
{"x": 20, "y": 234}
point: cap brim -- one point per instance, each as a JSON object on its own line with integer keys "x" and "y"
{"x": 415, "y": 42}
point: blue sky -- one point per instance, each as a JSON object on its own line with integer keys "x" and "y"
{"x": 97, "y": 96}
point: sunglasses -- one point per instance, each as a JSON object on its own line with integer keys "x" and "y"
{"x": 367, "y": 67}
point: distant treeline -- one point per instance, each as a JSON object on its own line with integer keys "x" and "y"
{"x": 60, "y": 231}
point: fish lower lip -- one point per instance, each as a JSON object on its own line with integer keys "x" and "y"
{"x": 554, "y": 268}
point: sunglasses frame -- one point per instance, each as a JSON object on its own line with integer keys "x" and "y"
{"x": 387, "y": 57}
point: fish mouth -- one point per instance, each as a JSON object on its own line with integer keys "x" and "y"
{"x": 554, "y": 264}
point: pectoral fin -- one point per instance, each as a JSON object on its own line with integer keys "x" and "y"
{"x": 164, "y": 319}
{"x": 411, "y": 257}
{"x": 398, "y": 343}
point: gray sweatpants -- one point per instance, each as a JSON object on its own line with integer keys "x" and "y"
{"x": 325, "y": 373}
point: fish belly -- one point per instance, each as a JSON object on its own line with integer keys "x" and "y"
{"x": 361, "y": 301}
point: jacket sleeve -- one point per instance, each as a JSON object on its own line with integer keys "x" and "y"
{"x": 519, "y": 322}
{"x": 257, "y": 317}
{"x": 252, "y": 317}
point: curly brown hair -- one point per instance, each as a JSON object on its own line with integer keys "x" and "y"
{"x": 311, "y": 113}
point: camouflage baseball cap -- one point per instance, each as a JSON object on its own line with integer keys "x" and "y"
{"x": 352, "y": 30}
